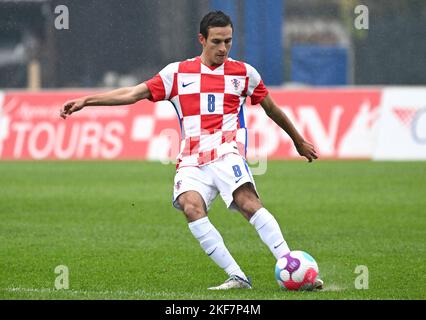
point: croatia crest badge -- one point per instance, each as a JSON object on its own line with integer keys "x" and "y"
{"x": 178, "y": 184}
{"x": 235, "y": 83}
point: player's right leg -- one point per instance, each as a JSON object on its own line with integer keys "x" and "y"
{"x": 193, "y": 197}
{"x": 210, "y": 240}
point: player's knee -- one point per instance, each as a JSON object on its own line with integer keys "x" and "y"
{"x": 249, "y": 207}
{"x": 247, "y": 201}
{"x": 193, "y": 209}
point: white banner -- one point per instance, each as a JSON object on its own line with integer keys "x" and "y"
{"x": 401, "y": 125}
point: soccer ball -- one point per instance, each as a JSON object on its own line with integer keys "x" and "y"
{"x": 296, "y": 270}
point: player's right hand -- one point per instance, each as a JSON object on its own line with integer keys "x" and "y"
{"x": 71, "y": 106}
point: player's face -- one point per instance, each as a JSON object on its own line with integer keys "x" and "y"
{"x": 217, "y": 45}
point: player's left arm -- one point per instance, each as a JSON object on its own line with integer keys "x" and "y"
{"x": 303, "y": 147}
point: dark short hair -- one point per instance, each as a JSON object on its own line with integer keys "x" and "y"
{"x": 214, "y": 19}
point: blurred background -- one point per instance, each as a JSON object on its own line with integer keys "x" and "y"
{"x": 115, "y": 43}
{"x": 349, "y": 73}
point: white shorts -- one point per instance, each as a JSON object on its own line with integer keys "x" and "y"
{"x": 222, "y": 176}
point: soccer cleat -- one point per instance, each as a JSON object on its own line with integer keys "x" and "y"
{"x": 234, "y": 282}
{"x": 318, "y": 284}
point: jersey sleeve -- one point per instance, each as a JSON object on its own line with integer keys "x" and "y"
{"x": 161, "y": 84}
{"x": 256, "y": 89}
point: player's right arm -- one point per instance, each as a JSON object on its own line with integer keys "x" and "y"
{"x": 122, "y": 96}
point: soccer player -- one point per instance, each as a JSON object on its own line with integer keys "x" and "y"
{"x": 209, "y": 94}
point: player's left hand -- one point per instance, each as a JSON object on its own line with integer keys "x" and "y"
{"x": 307, "y": 150}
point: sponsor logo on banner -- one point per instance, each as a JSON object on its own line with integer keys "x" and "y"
{"x": 34, "y": 129}
{"x": 413, "y": 119}
{"x": 339, "y": 123}
{"x": 402, "y": 125}
{"x": 418, "y": 127}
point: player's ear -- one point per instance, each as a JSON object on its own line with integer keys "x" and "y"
{"x": 202, "y": 39}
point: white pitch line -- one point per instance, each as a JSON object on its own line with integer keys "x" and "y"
{"x": 333, "y": 287}
{"x": 140, "y": 293}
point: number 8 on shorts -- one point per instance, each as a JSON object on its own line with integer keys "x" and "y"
{"x": 237, "y": 171}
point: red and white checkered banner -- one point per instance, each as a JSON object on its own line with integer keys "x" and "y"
{"x": 339, "y": 122}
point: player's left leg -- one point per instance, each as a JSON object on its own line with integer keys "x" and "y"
{"x": 250, "y": 206}
{"x": 247, "y": 200}
{"x": 237, "y": 188}
{"x": 236, "y": 185}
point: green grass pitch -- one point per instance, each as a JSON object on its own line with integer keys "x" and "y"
{"x": 113, "y": 226}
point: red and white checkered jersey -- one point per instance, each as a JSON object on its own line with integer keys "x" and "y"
{"x": 210, "y": 103}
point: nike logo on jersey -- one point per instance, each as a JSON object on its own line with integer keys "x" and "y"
{"x": 236, "y": 181}
{"x": 184, "y": 85}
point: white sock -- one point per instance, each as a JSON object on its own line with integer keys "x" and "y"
{"x": 270, "y": 232}
{"x": 212, "y": 243}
